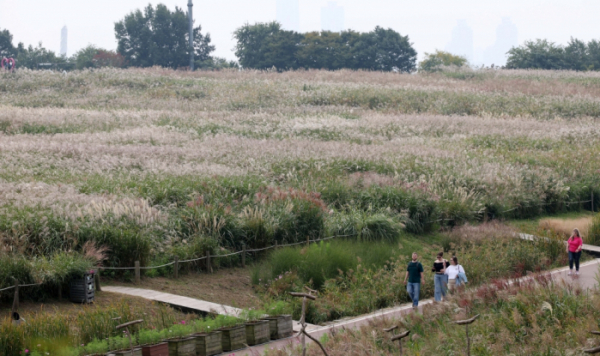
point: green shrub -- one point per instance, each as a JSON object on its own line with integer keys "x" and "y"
{"x": 322, "y": 261}
{"x": 18, "y": 267}
{"x": 367, "y": 226}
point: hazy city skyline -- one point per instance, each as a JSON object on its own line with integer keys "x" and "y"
{"x": 332, "y": 17}
{"x": 428, "y": 23}
{"x": 288, "y": 14}
{"x": 461, "y": 42}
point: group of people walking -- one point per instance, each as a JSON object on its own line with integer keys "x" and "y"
{"x": 448, "y": 275}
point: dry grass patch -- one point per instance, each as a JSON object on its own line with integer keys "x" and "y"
{"x": 565, "y": 226}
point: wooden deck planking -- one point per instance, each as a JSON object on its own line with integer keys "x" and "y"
{"x": 175, "y": 300}
{"x": 185, "y": 302}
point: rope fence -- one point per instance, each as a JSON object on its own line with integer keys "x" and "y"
{"x": 244, "y": 252}
{"x": 208, "y": 257}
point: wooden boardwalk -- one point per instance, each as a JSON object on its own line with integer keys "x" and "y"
{"x": 176, "y": 300}
{"x": 186, "y": 303}
{"x": 586, "y": 247}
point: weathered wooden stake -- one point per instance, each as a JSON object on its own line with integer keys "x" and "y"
{"x": 176, "y": 268}
{"x": 592, "y": 201}
{"x": 593, "y": 350}
{"x": 276, "y": 245}
{"x": 307, "y": 241}
{"x": 97, "y": 281}
{"x": 126, "y": 326}
{"x": 243, "y": 255}
{"x": 137, "y": 272}
{"x": 397, "y": 337}
{"x": 208, "y": 265}
{"x": 15, "y": 307}
{"x": 466, "y": 323}
{"x": 304, "y": 297}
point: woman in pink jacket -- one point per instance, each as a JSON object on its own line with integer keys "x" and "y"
{"x": 575, "y": 245}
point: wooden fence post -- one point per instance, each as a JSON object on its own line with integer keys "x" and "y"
{"x": 137, "y": 272}
{"x": 15, "y": 306}
{"x": 276, "y": 245}
{"x": 243, "y": 255}
{"x": 304, "y": 297}
{"x": 466, "y": 323}
{"x": 307, "y": 241}
{"x": 592, "y": 201}
{"x": 97, "y": 281}
{"x": 208, "y": 265}
{"x": 176, "y": 267}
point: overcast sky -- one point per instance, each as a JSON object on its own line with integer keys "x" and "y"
{"x": 428, "y": 23}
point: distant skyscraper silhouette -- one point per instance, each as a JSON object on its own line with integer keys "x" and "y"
{"x": 63, "y": 41}
{"x": 288, "y": 14}
{"x": 507, "y": 36}
{"x": 332, "y": 17}
{"x": 462, "y": 41}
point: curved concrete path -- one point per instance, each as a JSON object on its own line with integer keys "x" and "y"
{"x": 587, "y": 279}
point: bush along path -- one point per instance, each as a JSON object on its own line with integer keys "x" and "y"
{"x": 587, "y": 279}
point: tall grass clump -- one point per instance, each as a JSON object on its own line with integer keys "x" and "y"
{"x": 364, "y": 225}
{"x": 594, "y": 232}
{"x": 319, "y": 262}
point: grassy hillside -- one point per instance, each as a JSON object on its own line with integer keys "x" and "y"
{"x": 156, "y": 163}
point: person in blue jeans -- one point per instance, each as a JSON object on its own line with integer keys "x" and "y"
{"x": 440, "y": 279}
{"x": 414, "y": 274}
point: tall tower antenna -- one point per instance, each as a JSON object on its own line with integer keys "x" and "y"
{"x": 63, "y": 41}
{"x": 191, "y": 29}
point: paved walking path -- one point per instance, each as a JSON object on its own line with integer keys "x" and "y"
{"x": 586, "y": 247}
{"x": 586, "y": 279}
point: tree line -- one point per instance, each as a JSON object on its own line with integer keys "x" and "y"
{"x": 157, "y": 36}
{"x": 267, "y": 45}
{"x": 543, "y": 54}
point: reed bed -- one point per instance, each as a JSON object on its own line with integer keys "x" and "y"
{"x": 162, "y": 163}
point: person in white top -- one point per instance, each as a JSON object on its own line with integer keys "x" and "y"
{"x": 452, "y": 271}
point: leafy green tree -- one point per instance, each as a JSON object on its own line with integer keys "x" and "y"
{"x": 6, "y": 46}
{"x": 267, "y": 45}
{"x": 539, "y": 54}
{"x": 576, "y": 55}
{"x": 31, "y": 57}
{"x": 434, "y": 62}
{"x": 324, "y": 50}
{"x": 159, "y": 37}
{"x": 594, "y": 54}
{"x": 84, "y": 58}
{"x": 385, "y": 50}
